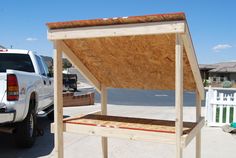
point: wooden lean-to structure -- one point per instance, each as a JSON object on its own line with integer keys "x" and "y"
{"x": 153, "y": 52}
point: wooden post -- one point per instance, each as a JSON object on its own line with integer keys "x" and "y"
{"x": 104, "y": 112}
{"x": 58, "y": 102}
{"x": 179, "y": 94}
{"x": 198, "y": 117}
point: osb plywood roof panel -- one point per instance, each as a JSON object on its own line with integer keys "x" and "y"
{"x": 143, "y": 62}
{"x": 118, "y": 21}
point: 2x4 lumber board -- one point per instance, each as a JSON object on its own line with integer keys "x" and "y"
{"x": 72, "y": 118}
{"x": 198, "y": 118}
{"x": 118, "y": 30}
{"x": 104, "y": 112}
{"x": 81, "y": 115}
{"x": 168, "y": 138}
{"x": 58, "y": 101}
{"x": 188, "y": 44}
{"x": 80, "y": 66}
{"x": 179, "y": 94}
{"x": 149, "y": 126}
{"x": 198, "y": 106}
{"x": 103, "y": 100}
{"x": 186, "y": 139}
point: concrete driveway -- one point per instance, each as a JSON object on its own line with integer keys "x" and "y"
{"x": 215, "y": 142}
{"x": 43, "y": 146}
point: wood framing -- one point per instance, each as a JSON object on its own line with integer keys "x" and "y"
{"x": 179, "y": 93}
{"x": 118, "y": 30}
{"x": 198, "y": 117}
{"x": 138, "y": 131}
{"x": 188, "y": 138}
{"x": 188, "y": 45}
{"x": 153, "y": 52}
{"x": 120, "y": 133}
{"x": 58, "y": 108}
{"x": 104, "y": 112}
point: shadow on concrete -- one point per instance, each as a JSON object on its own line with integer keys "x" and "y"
{"x": 42, "y": 147}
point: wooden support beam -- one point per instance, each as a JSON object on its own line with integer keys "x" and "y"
{"x": 104, "y": 112}
{"x": 198, "y": 118}
{"x": 186, "y": 139}
{"x": 80, "y": 66}
{"x": 58, "y": 101}
{"x": 179, "y": 94}
{"x": 118, "y": 30}
{"x": 133, "y": 135}
{"x": 188, "y": 45}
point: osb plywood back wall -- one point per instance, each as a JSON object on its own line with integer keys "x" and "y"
{"x": 143, "y": 62}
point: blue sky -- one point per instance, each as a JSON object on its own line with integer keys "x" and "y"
{"x": 212, "y": 22}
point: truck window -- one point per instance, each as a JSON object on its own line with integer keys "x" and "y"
{"x": 20, "y": 62}
{"x": 45, "y": 66}
{"x": 41, "y": 68}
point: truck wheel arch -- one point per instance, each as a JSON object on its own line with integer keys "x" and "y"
{"x": 33, "y": 96}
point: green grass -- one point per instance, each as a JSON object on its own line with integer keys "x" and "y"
{"x": 224, "y": 114}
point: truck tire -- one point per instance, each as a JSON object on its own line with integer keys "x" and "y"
{"x": 26, "y": 130}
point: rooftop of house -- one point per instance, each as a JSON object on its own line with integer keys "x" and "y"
{"x": 219, "y": 67}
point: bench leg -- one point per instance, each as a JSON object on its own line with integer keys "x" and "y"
{"x": 198, "y": 145}
{"x": 104, "y": 112}
{"x": 104, "y": 147}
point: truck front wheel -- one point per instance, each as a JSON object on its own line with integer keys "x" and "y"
{"x": 26, "y": 130}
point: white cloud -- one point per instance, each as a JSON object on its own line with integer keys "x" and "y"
{"x": 31, "y": 39}
{"x": 219, "y": 47}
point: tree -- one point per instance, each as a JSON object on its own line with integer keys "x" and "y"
{"x": 66, "y": 64}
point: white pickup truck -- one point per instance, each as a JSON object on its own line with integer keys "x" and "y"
{"x": 26, "y": 90}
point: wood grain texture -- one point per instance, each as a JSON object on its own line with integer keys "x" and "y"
{"x": 117, "y": 21}
{"x": 198, "y": 118}
{"x": 141, "y": 62}
{"x": 70, "y": 100}
{"x": 179, "y": 94}
{"x": 58, "y": 108}
{"x": 139, "y": 124}
{"x": 104, "y": 140}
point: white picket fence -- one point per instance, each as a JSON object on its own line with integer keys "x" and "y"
{"x": 220, "y": 106}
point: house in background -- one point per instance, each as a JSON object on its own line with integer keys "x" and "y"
{"x": 217, "y": 74}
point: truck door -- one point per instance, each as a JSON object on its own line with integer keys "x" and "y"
{"x": 43, "y": 88}
{"x": 50, "y": 90}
